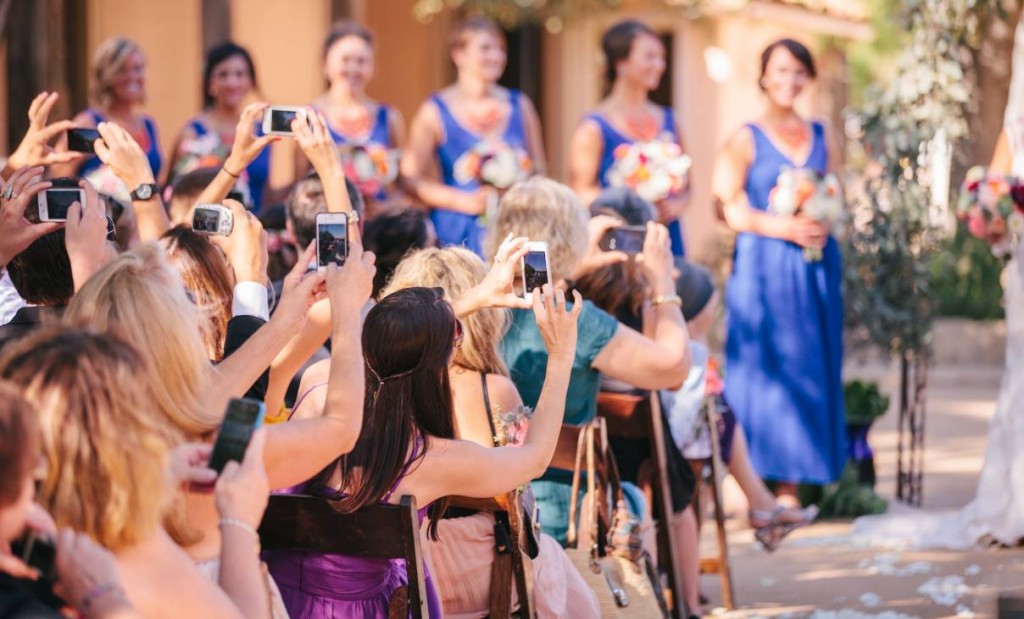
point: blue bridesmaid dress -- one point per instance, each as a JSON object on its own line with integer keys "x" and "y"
{"x": 784, "y": 349}
{"x": 611, "y": 139}
{"x": 380, "y": 135}
{"x": 453, "y": 227}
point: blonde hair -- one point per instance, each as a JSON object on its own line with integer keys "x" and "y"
{"x": 456, "y": 270}
{"x": 139, "y": 297}
{"x": 543, "y": 210}
{"x": 108, "y": 60}
{"x": 106, "y": 463}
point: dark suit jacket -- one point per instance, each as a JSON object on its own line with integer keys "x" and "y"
{"x": 25, "y": 321}
{"x": 240, "y": 329}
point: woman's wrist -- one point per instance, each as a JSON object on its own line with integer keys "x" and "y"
{"x": 104, "y": 599}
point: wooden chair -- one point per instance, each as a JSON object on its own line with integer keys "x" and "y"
{"x": 380, "y": 532}
{"x": 645, "y": 421}
{"x": 511, "y": 565}
{"x": 711, "y": 472}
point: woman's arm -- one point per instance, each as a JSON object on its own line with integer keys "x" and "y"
{"x": 418, "y": 163}
{"x": 534, "y": 136}
{"x": 244, "y": 150}
{"x": 468, "y": 469}
{"x": 585, "y": 160}
{"x": 1002, "y": 158}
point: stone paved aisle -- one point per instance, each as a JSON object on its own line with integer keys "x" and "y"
{"x": 819, "y": 573}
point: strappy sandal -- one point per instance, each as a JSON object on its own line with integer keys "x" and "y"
{"x": 770, "y": 530}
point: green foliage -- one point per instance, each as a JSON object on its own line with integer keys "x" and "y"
{"x": 864, "y": 402}
{"x": 848, "y": 498}
{"x": 965, "y": 278}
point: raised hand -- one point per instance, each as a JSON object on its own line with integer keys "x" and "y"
{"x": 596, "y": 258}
{"x": 119, "y": 151}
{"x": 657, "y": 260}
{"x": 246, "y": 246}
{"x": 34, "y": 149}
{"x": 247, "y": 145}
{"x": 88, "y": 576}
{"x": 301, "y": 290}
{"x": 557, "y": 324}
{"x": 316, "y": 143}
{"x": 242, "y": 490}
{"x": 350, "y": 285}
{"x": 17, "y": 232}
{"x": 188, "y": 465}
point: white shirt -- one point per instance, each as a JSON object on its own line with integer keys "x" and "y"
{"x": 10, "y": 300}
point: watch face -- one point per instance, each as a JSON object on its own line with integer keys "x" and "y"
{"x": 144, "y": 192}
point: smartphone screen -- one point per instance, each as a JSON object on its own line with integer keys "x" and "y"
{"x": 206, "y": 220}
{"x": 281, "y": 120}
{"x": 332, "y": 243}
{"x": 535, "y": 270}
{"x": 81, "y": 140}
{"x": 629, "y": 239}
{"x": 242, "y": 418}
{"x": 58, "y": 201}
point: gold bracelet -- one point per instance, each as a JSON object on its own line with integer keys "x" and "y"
{"x": 671, "y": 299}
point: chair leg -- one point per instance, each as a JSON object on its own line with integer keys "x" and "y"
{"x": 717, "y": 472}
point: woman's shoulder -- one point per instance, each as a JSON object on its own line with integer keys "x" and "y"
{"x": 503, "y": 392}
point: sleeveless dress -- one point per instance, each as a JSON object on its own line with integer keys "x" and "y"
{"x": 377, "y": 145}
{"x": 784, "y": 348}
{"x": 454, "y": 228}
{"x": 997, "y": 511}
{"x": 611, "y": 139}
{"x": 208, "y": 149}
{"x": 322, "y": 586}
{"x": 103, "y": 178}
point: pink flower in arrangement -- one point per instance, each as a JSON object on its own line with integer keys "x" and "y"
{"x": 992, "y": 206}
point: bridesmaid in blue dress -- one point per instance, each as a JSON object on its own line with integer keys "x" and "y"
{"x": 784, "y": 351}
{"x": 119, "y": 68}
{"x": 368, "y": 131}
{"x": 634, "y": 62}
{"x": 454, "y": 121}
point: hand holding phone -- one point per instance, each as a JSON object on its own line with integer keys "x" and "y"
{"x": 55, "y": 202}
{"x": 331, "y": 239}
{"x": 243, "y": 490}
{"x": 277, "y": 119}
{"x": 243, "y": 417}
{"x": 82, "y": 140}
{"x": 37, "y": 551}
{"x": 536, "y": 269}
{"x": 212, "y": 219}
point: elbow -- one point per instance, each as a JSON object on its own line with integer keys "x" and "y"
{"x": 671, "y": 371}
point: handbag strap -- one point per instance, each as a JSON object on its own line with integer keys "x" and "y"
{"x": 570, "y": 536}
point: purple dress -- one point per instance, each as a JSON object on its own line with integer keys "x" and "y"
{"x": 324, "y": 586}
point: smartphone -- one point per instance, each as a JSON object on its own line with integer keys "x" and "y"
{"x": 243, "y": 417}
{"x": 213, "y": 219}
{"x": 535, "y": 267}
{"x": 82, "y": 140}
{"x": 277, "y": 119}
{"x": 627, "y": 239}
{"x": 331, "y": 239}
{"x": 55, "y": 202}
{"x": 37, "y": 551}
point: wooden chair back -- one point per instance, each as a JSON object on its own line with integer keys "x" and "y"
{"x": 314, "y": 524}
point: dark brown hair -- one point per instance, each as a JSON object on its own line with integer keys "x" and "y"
{"x": 408, "y": 339}
{"x": 617, "y": 43}
{"x": 205, "y": 274}
{"x": 799, "y": 51}
{"x": 218, "y": 54}
{"x": 344, "y": 29}
{"x": 19, "y": 443}
{"x": 475, "y": 23}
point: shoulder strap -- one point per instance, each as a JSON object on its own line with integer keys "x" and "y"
{"x": 488, "y": 410}
{"x": 302, "y": 397}
{"x": 670, "y": 121}
{"x": 198, "y": 127}
{"x": 405, "y": 469}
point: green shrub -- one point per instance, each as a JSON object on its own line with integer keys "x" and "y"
{"x": 965, "y": 278}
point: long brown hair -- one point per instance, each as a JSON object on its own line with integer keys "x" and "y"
{"x": 408, "y": 338}
{"x": 205, "y": 274}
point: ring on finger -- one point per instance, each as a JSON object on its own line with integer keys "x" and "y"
{"x": 8, "y": 192}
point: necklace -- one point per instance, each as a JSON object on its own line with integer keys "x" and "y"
{"x": 793, "y": 136}
{"x": 352, "y": 121}
{"x": 483, "y": 116}
{"x": 643, "y": 127}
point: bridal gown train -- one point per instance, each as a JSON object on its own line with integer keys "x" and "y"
{"x": 997, "y": 512}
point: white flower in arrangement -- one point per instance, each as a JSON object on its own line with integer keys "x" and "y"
{"x": 501, "y": 169}
{"x": 654, "y": 170}
{"x": 826, "y": 203}
{"x": 784, "y": 197}
{"x": 494, "y": 163}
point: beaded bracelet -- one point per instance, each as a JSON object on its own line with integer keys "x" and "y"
{"x": 234, "y": 522}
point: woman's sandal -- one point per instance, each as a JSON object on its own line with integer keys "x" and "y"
{"x": 769, "y": 529}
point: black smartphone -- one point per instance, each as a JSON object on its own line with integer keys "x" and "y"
{"x": 242, "y": 418}
{"x": 535, "y": 267}
{"x": 82, "y": 140}
{"x": 627, "y": 239}
{"x": 38, "y": 552}
{"x": 331, "y": 239}
{"x": 54, "y": 202}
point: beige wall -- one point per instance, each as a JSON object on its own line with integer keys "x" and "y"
{"x": 170, "y": 33}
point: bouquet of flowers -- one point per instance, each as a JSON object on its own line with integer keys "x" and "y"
{"x": 993, "y": 207}
{"x": 510, "y": 426}
{"x": 372, "y": 167}
{"x": 654, "y": 170}
{"x": 804, "y": 192}
{"x": 493, "y": 163}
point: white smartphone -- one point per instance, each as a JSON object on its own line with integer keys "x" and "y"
{"x": 535, "y": 267}
{"x": 55, "y": 202}
{"x": 277, "y": 119}
{"x": 331, "y": 239}
{"x": 214, "y": 219}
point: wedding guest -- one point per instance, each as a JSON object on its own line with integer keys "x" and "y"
{"x": 86, "y": 389}
{"x": 634, "y": 58}
{"x": 369, "y": 133}
{"x": 229, "y": 82}
{"x": 407, "y": 445}
{"x": 488, "y": 411}
{"x": 460, "y": 125}
{"x": 119, "y": 73}
{"x": 392, "y": 236}
{"x": 784, "y": 348}
{"x": 544, "y": 210}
